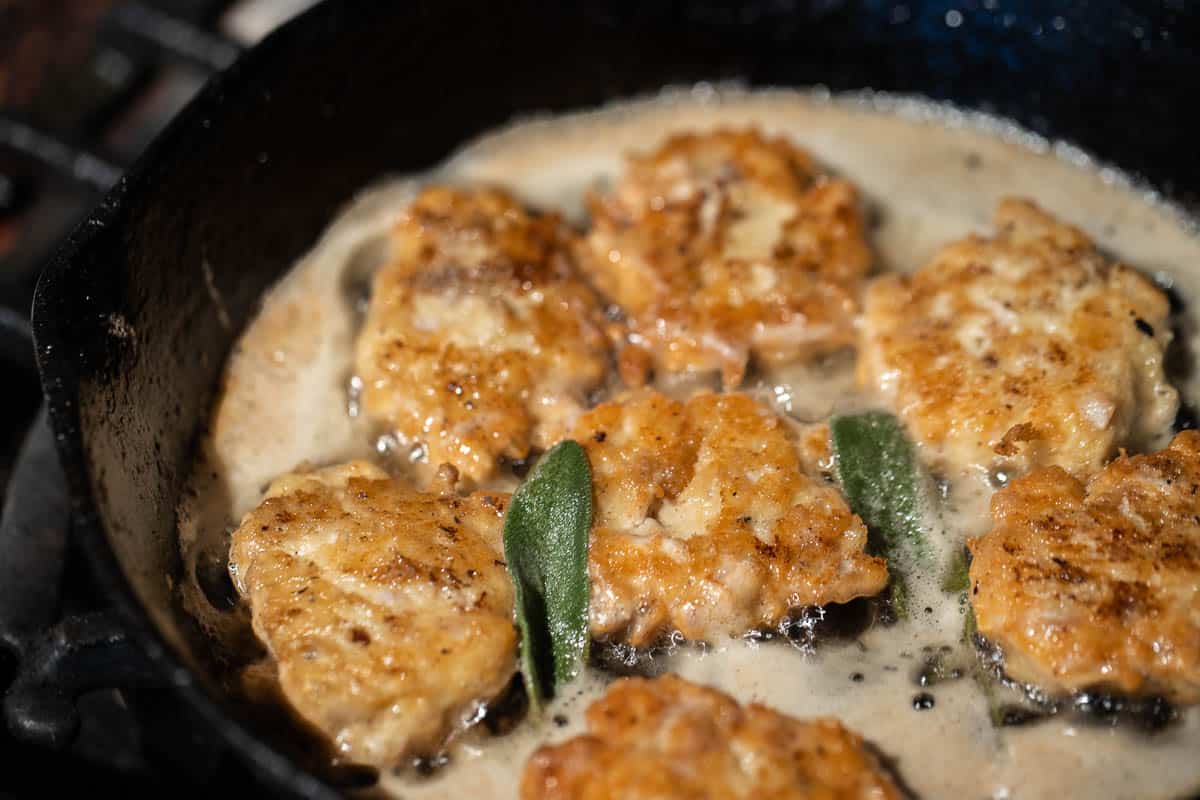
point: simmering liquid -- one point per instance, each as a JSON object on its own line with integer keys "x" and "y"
{"x": 928, "y": 174}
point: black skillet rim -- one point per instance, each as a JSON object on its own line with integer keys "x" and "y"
{"x": 61, "y": 389}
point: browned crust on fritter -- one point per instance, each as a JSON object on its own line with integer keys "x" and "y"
{"x": 1098, "y": 587}
{"x": 707, "y": 524}
{"x": 667, "y": 738}
{"x": 1021, "y": 350}
{"x": 481, "y": 340}
{"x": 388, "y": 611}
{"x": 727, "y": 246}
{"x": 815, "y": 448}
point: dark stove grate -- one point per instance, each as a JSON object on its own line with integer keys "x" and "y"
{"x": 67, "y": 131}
{"x": 67, "y": 135}
{"x": 62, "y": 651}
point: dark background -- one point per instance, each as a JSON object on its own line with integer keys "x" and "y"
{"x": 58, "y": 74}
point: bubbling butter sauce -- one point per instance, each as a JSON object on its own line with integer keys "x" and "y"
{"x": 928, "y": 174}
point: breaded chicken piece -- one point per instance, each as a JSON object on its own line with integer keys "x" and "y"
{"x": 727, "y": 246}
{"x": 667, "y": 738}
{"x": 389, "y": 611}
{"x": 705, "y": 521}
{"x": 1022, "y": 350}
{"x": 815, "y": 446}
{"x": 1098, "y": 587}
{"x": 480, "y": 340}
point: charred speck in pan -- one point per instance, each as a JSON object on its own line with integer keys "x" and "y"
{"x": 508, "y": 709}
{"x": 876, "y": 216}
{"x": 800, "y": 628}
{"x": 888, "y": 614}
{"x": 360, "y": 268}
{"x": 923, "y": 701}
{"x": 520, "y": 466}
{"x": 352, "y": 776}
{"x": 1180, "y": 364}
{"x": 936, "y": 668}
{"x": 1167, "y": 285}
{"x": 212, "y": 576}
{"x": 1012, "y": 715}
{"x": 1186, "y": 419}
{"x": 1180, "y": 361}
{"x": 621, "y": 660}
{"x": 427, "y": 766}
{"x": 1149, "y": 715}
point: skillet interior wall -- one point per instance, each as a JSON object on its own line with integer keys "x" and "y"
{"x": 137, "y": 315}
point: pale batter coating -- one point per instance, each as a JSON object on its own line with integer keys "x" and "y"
{"x": 388, "y": 610}
{"x": 667, "y": 738}
{"x": 1097, "y": 586}
{"x": 481, "y": 340}
{"x": 728, "y": 247}
{"x": 707, "y": 523}
{"x": 1025, "y": 349}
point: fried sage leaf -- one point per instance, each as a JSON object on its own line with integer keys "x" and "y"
{"x": 956, "y": 578}
{"x": 546, "y": 546}
{"x": 884, "y": 485}
{"x": 985, "y": 680}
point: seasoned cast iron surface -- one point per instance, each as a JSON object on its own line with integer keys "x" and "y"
{"x": 136, "y": 316}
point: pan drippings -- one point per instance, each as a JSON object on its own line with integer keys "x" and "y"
{"x": 927, "y": 175}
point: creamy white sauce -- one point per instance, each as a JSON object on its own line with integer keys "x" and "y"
{"x": 929, "y": 174}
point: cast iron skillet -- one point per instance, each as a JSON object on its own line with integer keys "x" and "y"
{"x": 138, "y": 311}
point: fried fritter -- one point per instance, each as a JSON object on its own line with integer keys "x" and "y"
{"x": 388, "y": 611}
{"x": 667, "y": 738}
{"x": 1098, "y": 586}
{"x": 707, "y": 523}
{"x": 727, "y": 246}
{"x": 1022, "y": 350}
{"x": 480, "y": 340}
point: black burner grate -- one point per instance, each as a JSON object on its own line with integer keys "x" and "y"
{"x": 65, "y": 139}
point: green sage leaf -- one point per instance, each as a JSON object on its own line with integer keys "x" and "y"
{"x": 546, "y": 546}
{"x": 984, "y": 679}
{"x": 956, "y": 578}
{"x": 884, "y": 485}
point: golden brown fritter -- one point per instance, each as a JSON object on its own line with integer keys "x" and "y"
{"x": 706, "y": 523}
{"x": 667, "y": 738}
{"x": 389, "y": 611}
{"x": 1098, "y": 587}
{"x": 727, "y": 246}
{"x": 1022, "y": 350}
{"x": 815, "y": 447}
{"x": 480, "y": 340}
